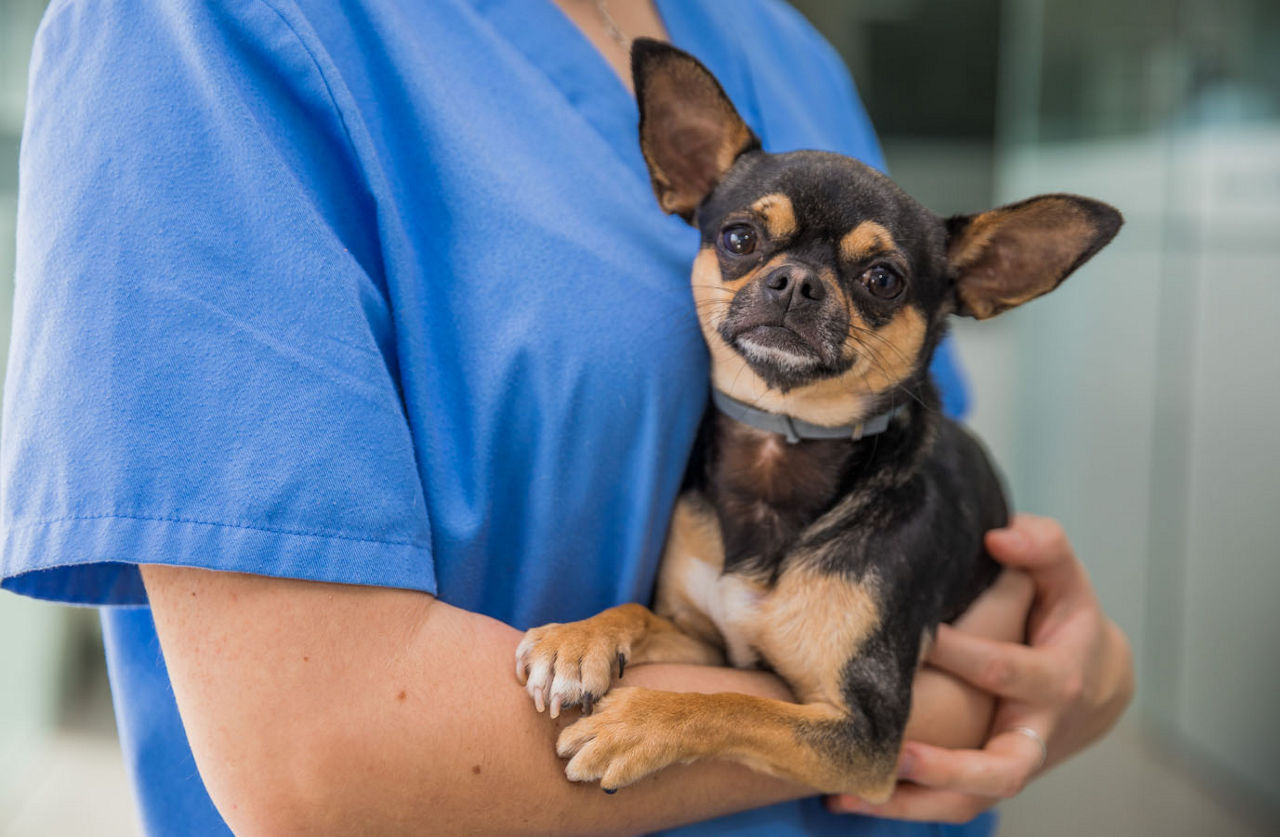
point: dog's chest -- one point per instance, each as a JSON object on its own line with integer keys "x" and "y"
{"x": 731, "y": 602}
{"x": 721, "y": 608}
{"x": 805, "y": 625}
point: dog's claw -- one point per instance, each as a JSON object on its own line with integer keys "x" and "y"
{"x": 569, "y": 665}
{"x": 609, "y": 790}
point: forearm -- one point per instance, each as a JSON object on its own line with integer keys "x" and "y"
{"x": 328, "y": 708}
{"x": 333, "y": 708}
{"x": 947, "y": 711}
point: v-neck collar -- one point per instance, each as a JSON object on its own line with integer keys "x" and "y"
{"x": 553, "y": 43}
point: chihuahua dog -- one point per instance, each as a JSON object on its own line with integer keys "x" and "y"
{"x": 832, "y": 517}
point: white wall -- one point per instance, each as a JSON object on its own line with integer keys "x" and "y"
{"x": 1137, "y": 404}
{"x": 1229, "y": 666}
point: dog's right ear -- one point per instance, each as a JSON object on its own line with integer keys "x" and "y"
{"x": 690, "y": 132}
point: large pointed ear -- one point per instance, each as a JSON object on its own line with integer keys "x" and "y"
{"x": 1013, "y": 254}
{"x": 690, "y": 132}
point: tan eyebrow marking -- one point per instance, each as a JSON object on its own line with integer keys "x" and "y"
{"x": 866, "y": 239}
{"x": 778, "y": 213}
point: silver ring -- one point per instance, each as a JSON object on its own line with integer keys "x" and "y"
{"x": 1035, "y": 736}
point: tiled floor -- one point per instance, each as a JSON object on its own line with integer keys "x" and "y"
{"x": 1119, "y": 788}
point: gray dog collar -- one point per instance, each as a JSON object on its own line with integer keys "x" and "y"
{"x": 795, "y": 429}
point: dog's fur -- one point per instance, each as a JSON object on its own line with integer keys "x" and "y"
{"x": 822, "y": 290}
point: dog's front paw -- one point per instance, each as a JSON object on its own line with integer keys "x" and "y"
{"x": 627, "y": 738}
{"x": 571, "y": 664}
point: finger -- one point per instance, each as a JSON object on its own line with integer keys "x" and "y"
{"x": 995, "y": 613}
{"x": 914, "y": 802}
{"x": 1000, "y": 770}
{"x": 1031, "y": 541}
{"x": 1040, "y": 546}
{"x": 1002, "y": 668}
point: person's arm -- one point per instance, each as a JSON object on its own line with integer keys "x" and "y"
{"x": 950, "y": 712}
{"x": 1069, "y": 683}
{"x": 325, "y": 708}
{"x": 317, "y": 708}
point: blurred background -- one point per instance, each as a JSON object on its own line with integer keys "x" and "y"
{"x": 1136, "y": 403}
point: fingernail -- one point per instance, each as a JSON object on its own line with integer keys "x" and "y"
{"x": 906, "y": 761}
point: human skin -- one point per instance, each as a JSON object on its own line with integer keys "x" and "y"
{"x": 328, "y": 708}
{"x": 1070, "y": 682}
{"x": 1070, "y": 686}
{"x": 634, "y": 19}
{"x": 334, "y": 708}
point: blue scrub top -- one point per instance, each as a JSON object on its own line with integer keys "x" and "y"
{"x": 370, "y": 292}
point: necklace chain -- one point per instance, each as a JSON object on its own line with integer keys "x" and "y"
{"x": 611, "y": 26}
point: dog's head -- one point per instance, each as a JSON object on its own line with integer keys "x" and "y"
{"x": 821, "y": 287}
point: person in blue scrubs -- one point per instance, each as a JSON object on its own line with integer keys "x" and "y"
{"x": 371, "y": 293}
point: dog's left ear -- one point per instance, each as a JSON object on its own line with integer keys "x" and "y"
{"x": 690, "y": 132}
{"x": 1013, "y": 254}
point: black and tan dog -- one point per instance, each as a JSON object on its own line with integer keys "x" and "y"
{"x": 832, "y": 516}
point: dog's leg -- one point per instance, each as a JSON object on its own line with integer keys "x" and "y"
{"x": 575, "y": 663}
{"x": 825, "y": 637}
{"x": 635, "y": 732}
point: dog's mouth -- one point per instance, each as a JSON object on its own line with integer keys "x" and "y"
{"x": 787, "y": 348}
{"x": 778, "y": 346}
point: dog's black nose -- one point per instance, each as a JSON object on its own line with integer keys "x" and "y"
{"x": 793, "y": 286}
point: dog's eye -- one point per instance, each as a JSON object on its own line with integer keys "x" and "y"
{"x": 739, "y": 239}
{"x": 883, "y": 282}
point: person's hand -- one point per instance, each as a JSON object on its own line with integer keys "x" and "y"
{"x": 1068, "y": 685}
